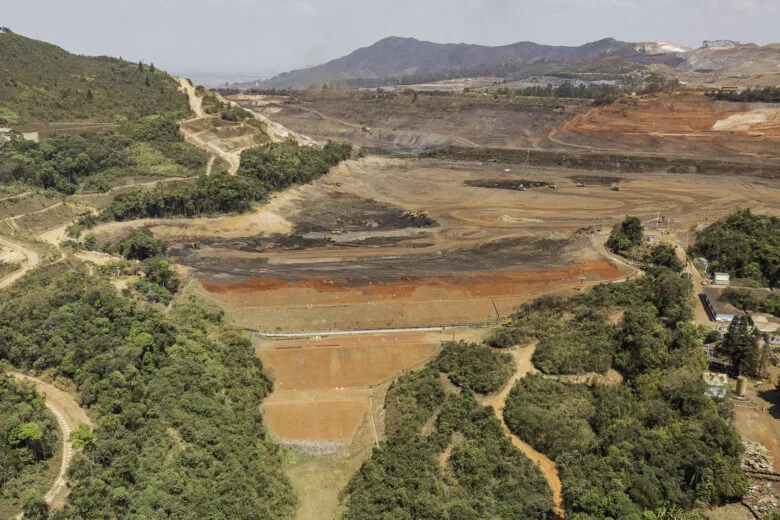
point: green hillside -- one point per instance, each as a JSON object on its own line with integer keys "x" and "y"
{"x": 40, "y": 82}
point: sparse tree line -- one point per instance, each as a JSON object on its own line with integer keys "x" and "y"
{"x": 750, "y": 95}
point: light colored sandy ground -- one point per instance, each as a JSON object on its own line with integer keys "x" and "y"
{"x": 263, "y": 221}
{"x": 754, "y": 121}
{"x": 196, "y": 102}
{"x": 96, "y": 257}
{"x": 69, "y": 416}
{"x": 30, "y": 262}
{"x": 524, "y": 366}
{"x": 469, "y": 217}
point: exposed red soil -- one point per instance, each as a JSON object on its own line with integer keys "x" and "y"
{"x": 320, "y": 304}
{"x": 689, "y": 123}
{"x": 323, "y": 417}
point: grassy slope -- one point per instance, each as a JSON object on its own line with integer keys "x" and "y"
{"x": 40, "y": 82}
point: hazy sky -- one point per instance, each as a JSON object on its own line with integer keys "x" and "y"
{"x": 265, "y": 35}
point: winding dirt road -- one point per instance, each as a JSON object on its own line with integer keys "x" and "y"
{"x": 524, "y": 366}
{"x": 32, "y": 260}
{"x": 69, "y": 415}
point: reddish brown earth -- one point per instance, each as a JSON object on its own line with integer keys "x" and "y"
{"x": 471, "y": 298}
{"x": 324, "y": 386}
{"x": 684, "y": 124}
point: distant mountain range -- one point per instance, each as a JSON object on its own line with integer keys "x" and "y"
{"x": 414, "y": 59}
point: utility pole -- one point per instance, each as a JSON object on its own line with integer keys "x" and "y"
{"x": 582, "y": 279}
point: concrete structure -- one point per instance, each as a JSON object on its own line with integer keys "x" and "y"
{"x": 717, "y": 384}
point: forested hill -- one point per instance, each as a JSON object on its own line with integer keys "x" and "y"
{"x": 40, "y": 82}
{"x": 406, "y": 56}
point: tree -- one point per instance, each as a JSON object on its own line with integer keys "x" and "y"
{"x": 140, "y": 66}
{"x": 90, "y": 97}
{"x": 151, "y": 68}
{"x": 90, "y": 242}
{"x": 740, "y": 345}
{"x": 626, "y": 235}
{"x": 82, "y": 437}
{"x": 140, "y": 245}
{"x": 34, "y": 506}
{"x": 664, "y": 255}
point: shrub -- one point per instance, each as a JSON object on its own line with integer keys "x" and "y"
{"x": 475, "y": 366}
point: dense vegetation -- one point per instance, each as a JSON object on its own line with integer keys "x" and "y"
{"x": 218, "y": 193}
{"x": 575, "y": 335}
{"x": 263, "y": 171}
{"x": 765, "y": 95}
{"x": 40, "y": 82}
{"x": 28, "y": 441}
{"x": 64, "y": 163}
{"x": 411, "y": 400}
{"x": 279, "y": 165}
{"x": 656, "y": 440}
{"x": 622, "y": 449}
{"x": 626, "y": 235}
{"x": 475, "y": 366}
{"x": 744, "y": 245}
{"x": 482, "y": 475}
{"x": 178, "y": 432}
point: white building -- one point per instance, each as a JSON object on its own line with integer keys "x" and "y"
{"x": 721, "y": 279}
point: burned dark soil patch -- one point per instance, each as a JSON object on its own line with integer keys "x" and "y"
{"x": 507, "y": 184}
{"x": 507, "y": 254}
{"x": 343, "y": 212}
{"x": 601, "y": 180}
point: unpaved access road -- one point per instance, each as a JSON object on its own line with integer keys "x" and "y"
{"x": 31, "y": 261}
{"x": 196, "y": 102}
{"x": 524, "y": 366}
{"x": 69, "y": 415}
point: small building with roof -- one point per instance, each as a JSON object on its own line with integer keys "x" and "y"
{"x": 718, "y": 310}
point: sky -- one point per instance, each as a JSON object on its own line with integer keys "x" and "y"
{"x": 269, "y": 36}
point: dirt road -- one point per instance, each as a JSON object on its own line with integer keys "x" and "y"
{"x": 524, "y": 366}
{"x": 196, "y": 102}
{"x": 233, "y": 157}
{"x": 69, "y": 415}
{"x": 31, "y": 261}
